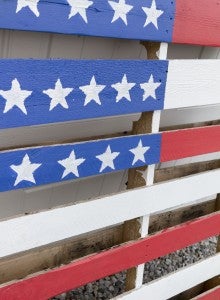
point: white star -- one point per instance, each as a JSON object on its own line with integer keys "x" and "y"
{"x": 32, "y": 4}
{"x": 92, "y": 91}
{"x": 71, "y": 164}
{"x": 152, "y": 14}
{"x": 25, "y": 170}
{"x": 150, "y": 88}
{"x": 121, "y": 9}
{"x": 79, "y": 7}
{"x": 107, "y": 159}
{"x": 123, "y": 88}
{"x": 58, "y": 95}
{"x": 139, "y": 152}
{"x": 15, "y": 97}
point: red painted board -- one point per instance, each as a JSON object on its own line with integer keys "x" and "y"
{"x": 96, "y": 266}
{"x": 189, "y": 142}
{"x": 213, "y": 294}
{"x": 197, "y": 22}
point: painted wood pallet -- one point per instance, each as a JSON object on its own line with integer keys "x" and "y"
{"x": 39, "y": 92}
{"x": 178, "y": 21}
{"x": 66, "y": 222}
{"x": 96, "y": 266}
{"x": 50, "y": 91}
{"x": 28, "y": 167}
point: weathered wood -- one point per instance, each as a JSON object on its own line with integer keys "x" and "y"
{"x": 112, "y": 261}
{"x": 214, "y": 281}
{"x": 56, "y": 163}
{"x": 213, "y": 294}
{"x": 177, "y": 282}
{"x": 180, "y": 21}
{"x": 137, "y": 228}
{"x": 47, "y": 227}
{"x": 60, "y": 253}
{"x": 174, "y": 217}
{"x": 54, "y": 255}
{"x": 185, "y": 170}
{"x": 20, "y": 266}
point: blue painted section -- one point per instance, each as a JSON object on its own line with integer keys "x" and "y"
{"x": 40, "y": 75}
{"x": 51, "y": 171}
{"x": 53, "y": 17}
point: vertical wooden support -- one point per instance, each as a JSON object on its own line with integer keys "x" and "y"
{"x": 148, "y": 123}
{"x": 214, "y": 281}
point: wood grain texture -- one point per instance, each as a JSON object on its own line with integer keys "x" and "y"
{"x": 53, "y": 93}
{"x": 24, "y": 264}
{"x": 28, "y": 167}
{"x": 43, "y": 228}
{"x": 179, "y": 281}
{"x": 213, "y": 294}
{"x": 199, "y": 83}
{"x": 67, "y": 90}
{"x": 197, "y": 22}
{"x": 112, "y": 261}
{"x": 179, "y": 21}
{"x": 96, "y": 18}
{"x": 204, "y": 139}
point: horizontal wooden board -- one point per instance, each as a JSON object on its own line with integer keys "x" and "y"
{"x": 205, "y": 139}
{"x": 180, "y": 21}
{"x": 28, "y": 232}
{"x": 28, "y": 167}
{"x": 197, "y": 22}
{"x": 198, "y": 85}
{"x": 213, "y": 294}
{"x": 63, "y": 90}
{"x": 34, "y": 92}
{"x": 99, "y": 265}
{"x": 177, "y": 282}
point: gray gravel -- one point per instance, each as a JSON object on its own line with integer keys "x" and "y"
{"x": 112, "y": 286}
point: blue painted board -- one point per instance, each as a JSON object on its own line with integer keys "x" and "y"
{"x": 117, "y": 18}
{"x": 30, "y": 167}
{"x": 34, "y": 92}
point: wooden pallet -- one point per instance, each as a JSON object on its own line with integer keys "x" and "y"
{"x": 42, "y": 92}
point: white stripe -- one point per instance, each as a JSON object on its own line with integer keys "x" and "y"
{"x": 192, "y": 83}
{"x": 40, "y": 229}
{"x": 177, "y": 282}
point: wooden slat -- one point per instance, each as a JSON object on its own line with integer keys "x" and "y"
{"x": 177, "y": 282}
{"x": 23, "y": 168}
{"x": 49, "y": 90}
{"x": 197, "y": 22}
{"x": 213, "y": 294}
{"x": 198, "y": 85}
{"x": 112, "y": 261}
{"x": 28, "y": 232}
{"x": 172, "y": 147}
{"x": 180, "y": 21}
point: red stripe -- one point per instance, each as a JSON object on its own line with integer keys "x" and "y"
{"x": 189, "y": 142}
{"x": 97, "y": 266}
{"x": 197, "y": 22}
{"x": 213, "y": 294}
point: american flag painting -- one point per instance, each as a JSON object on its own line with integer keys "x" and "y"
{"x": 28, "y": 167}
{"x": 34, "y": 92}
{"x": 178, "y": 21}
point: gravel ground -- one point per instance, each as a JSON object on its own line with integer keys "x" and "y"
{"x": 112, "y": 286}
